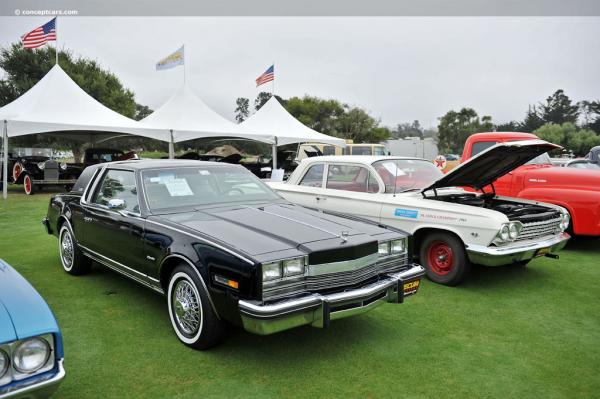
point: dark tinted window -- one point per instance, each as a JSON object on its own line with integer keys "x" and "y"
{"x": 84, "y": 179}
{"x": 482, "y": 145}
{"x": 118, "y": 185}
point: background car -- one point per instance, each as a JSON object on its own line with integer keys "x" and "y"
{"x": 31, "y": 348}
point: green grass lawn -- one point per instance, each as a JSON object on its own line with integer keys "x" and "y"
{"x": 508, "y": 332}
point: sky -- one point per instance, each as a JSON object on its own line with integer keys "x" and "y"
{"x": 397, "y": 68}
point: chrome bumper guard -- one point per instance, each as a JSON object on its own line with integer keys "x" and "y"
{"x": 520, "y": 251}
{"x": 35, "y": 390}
{"x": 318, "y": 310}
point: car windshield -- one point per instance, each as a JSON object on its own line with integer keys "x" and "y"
{"x": 401, "y": 175}
{"x": 202, "y": 185}
{"x": 543, "y": 159}
{"x": 584, "y": 165}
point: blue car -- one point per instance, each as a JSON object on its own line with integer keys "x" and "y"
{"x": 31, "y": 348}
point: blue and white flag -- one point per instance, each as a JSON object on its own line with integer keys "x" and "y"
{"x": 171, "y": 61}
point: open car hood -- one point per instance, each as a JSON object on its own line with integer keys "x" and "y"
{"x": 486, "y": 167}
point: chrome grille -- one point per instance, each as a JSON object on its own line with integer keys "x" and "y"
{"x": 539, "y": 229}
{"x": 334, "y": 280}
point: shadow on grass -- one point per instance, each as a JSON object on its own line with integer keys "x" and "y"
{"x": 584, "y": 244}
{"x": 498, "y": 276}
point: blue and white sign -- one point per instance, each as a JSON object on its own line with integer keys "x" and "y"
{"x": 406, "y": 213}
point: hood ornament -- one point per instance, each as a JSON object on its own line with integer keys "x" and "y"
{"x": 344, "y": 236}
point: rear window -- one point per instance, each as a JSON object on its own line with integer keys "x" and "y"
{"x": 482, "y": 145}
{"x": 84, "y": 179}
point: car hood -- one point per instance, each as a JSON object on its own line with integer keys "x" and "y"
{"x": 23, "y": 312}
{"x": 257, "y": 230}
{"x": 484, "y": 168}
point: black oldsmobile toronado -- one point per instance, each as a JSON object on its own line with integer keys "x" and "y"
{"x": 222, "y": 246}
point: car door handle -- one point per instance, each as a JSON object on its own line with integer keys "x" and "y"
{"x": 321, "y": 198}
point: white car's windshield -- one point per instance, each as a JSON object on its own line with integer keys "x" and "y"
{"x": 199, "y": 186}
{"x": 401, "y": 175}
{"x": 543, "y": 159}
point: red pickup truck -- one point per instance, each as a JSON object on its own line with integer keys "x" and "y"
{"x": 578, "y": 190}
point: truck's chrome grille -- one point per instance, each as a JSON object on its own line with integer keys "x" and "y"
{"x": 339, "y": 279}
{"x": 539, "y": 229}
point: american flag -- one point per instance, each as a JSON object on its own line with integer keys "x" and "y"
{"x": 267, "y": 76}
{"x": 39, "y": 36}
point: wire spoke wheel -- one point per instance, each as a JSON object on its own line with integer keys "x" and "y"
{"x": 186, "y": 307}
{"x": 66, "y": 249}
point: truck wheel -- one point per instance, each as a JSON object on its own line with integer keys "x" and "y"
{"x": 28, "y": 185}
{"x": 444, "y": 257}
{"x": 73, "y": 260}
{"x": 190, "y": 311}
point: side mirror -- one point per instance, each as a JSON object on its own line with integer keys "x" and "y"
{"x": 116, "y": 204}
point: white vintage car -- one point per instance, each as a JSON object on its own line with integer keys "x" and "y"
{"x": 452, "y": 226}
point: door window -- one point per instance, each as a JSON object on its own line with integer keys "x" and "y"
{"x": 118, "y": 185}
{"x": 351, "y": 178}
{"x": 313, "y": 177}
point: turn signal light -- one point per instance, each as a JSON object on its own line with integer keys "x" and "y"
{"x": 227, "y": 282}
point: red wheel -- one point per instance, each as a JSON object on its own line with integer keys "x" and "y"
{"x": 440, "y": 257}
{"x": 444, "y": 257}
{"x": 17, "y": 170}
{"x": 28, "y": 185}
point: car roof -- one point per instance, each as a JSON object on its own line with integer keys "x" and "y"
{"x": 141, "y": 164}
{"x": 364, "y": 159}
{"x": 503, "y": 135}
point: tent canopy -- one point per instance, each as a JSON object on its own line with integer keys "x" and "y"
{"x": 190, "y": 118}
{"x": 57, "y": 104}
{"x": 273, "y": 120}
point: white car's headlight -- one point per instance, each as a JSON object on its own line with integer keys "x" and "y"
{"x": 566, "y": 219}
{"x": 41, "y": 165}
{"x": 514, "y": 229}
{"x": 271, "y": 271}
{"x": 384, "y": 248}
{"x": 4, "y": 363}
{"x": 504, "y": 233}
{"x": 398, "y": 246}
{"x": 31, "y": 355}
{"x": 293, "y": 267}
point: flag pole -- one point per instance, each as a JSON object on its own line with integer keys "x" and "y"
{"x": 56, "y": 33}
{"x": 183, "y": 63}
{"x": 5, "y": 161}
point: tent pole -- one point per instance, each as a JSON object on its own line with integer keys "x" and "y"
{"x": 5, "y": 161}
{"x": 275, "y": 154}
{"x": 171, "y": 146}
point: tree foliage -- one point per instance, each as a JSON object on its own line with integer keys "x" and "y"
{"x": 242, "y": 109}
{"x": 569, "y": 136}
{"x": 408, "y": 130}
{"x": 455, "y": 127}
{"x": 559, "y": 109}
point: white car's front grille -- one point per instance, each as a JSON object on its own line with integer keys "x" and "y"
{"x": 539, "y": 229}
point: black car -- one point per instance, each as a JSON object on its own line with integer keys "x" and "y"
{"x": 222, "y": 246}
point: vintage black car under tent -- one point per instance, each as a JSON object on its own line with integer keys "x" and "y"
{"x": 56, "y": 104}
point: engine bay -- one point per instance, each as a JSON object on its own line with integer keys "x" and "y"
{"x": 515, "y": 211}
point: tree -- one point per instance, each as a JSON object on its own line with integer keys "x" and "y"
{"x": 261, "y": 99}
{"x": 558, "y": 109}
{"x": 242, "y": 109}
{"x": 408, "y": 130}
{"x": 532, "y": 120}
{"x": 455, "y": 127}
{"x": 568, "y": 136}
{"x": 316, "y": 113}
{"x": 511, "y": 126}
{"x": 591, "y": 115}
{"x": 24, "y": 68}
{"x": 141, "y": 111}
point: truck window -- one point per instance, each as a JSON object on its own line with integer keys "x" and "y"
{"x": 328, "y": 150}
{"x": 361, "y": 150}
{"x": 481, "y": 145}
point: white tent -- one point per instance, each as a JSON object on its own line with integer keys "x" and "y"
{"x": 57, "y": 104}
{"x": 273, "y": 120}
{"x": 187, "y": 117}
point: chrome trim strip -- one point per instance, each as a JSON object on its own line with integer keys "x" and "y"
{"x": 42, "y": 389}
{"x": 121, "y": 268}
{"x": 343, "y": 266}
{"x": 203, "y": 240}
{"x": 189, "y": 262}
{"x": 521, "y": 247}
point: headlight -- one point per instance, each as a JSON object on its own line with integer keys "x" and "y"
{"x": 41, "y": 165}
{"x": 566, "y": 219}
{"x": 398, "y": 246}
{"x": 271, "y": 271}
{"x": 63, "y": 166}
{"x": 4, "y": 362}
{"x": 504, "y": 233}
{"x": 31, "y": 355}
{"x": 292, "y": 267}
{"x": 514, "y": 229}
{"x": 384, "y": 248}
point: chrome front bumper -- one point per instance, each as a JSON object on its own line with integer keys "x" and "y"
{"x": 318, "y": 310}
{"x": 35, "y": 390}
{"x": 497, "y": 256}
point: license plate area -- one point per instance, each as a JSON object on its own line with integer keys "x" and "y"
{"x": 410, "y": 287}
